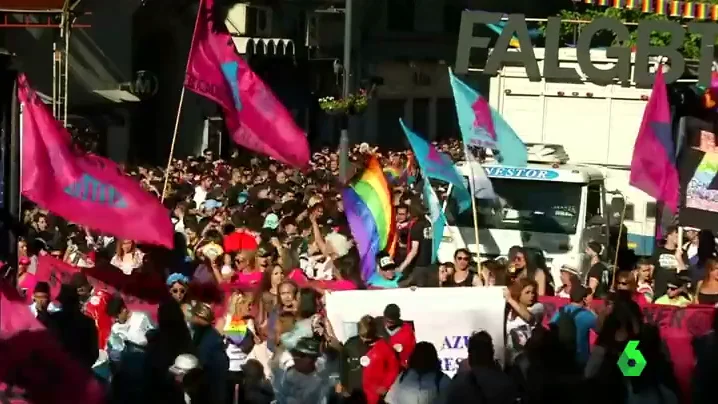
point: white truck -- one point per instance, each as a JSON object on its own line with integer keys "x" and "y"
{"x": 549, "y": 206}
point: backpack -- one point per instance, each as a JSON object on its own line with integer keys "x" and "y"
{"x": 567, "y": 330}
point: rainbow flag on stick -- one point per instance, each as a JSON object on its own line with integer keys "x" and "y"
{"x": 395, "y": 175}
{"x": 367, "y": 204}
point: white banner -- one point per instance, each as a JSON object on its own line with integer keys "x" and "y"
{"x": 446, "y": 317}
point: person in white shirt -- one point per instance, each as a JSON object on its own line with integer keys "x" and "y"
{"x": 129, "y": 330}
{"x": 200, "y": 192}
{"x": 127, "y": 257}
{"x": 126, "y": 349}
{"x": 41, "y": 300}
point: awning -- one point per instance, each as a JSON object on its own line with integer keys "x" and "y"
{"x": 116, "y": 96}
{"x": 264, "y": 46}
{"x": 35, "y": 5}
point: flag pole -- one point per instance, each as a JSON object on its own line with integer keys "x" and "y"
{"x": 475, "y": 213}
{"x": 172, "y": 145}
{"x": 179, "y": 106}
{"x": 618, "y": 243}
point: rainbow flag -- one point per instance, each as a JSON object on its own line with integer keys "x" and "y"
{"x": 394, "y": 175}
{"x": 236, "y": 330}
{"x": 367, "y": 204}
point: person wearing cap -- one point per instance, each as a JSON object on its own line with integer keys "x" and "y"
{"x": 569, "y": 277}
{"x": 266, "y": 256}
{"x": 667, "y": 260}
{"x": 584, "y": 319}
{"x": 211, "y": 353}
{"x": 304, "y": 382}
{"x": 677, "y": 294}
{"x": 385, "y": 277}
{"x": 188, "y": 377}
{"x": 398, "y": 333}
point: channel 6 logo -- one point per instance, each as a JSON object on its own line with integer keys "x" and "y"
{"x": 631, "y": 362}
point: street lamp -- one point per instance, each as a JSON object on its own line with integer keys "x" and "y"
{"x": 344, "y": 136}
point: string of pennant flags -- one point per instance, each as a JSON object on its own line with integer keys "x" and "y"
{"x": 690, "y": 10}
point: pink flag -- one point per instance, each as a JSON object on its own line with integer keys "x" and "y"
{"x": 483, "y": 117}
{"x": 653, "y": 167}
{"x": 88, "y": 190}
{"x": 33, "y": 361}
{"x": 257, "y": 120}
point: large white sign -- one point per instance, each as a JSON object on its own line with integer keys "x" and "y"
{"x": 446, "y": 317}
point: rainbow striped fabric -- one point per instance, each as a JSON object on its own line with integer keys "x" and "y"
{"x": 236, "y": 330}
{"x": 367, "y": 205}
{"x": 689, "y": 10}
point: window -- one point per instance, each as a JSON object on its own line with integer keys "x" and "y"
{"x": 420, "y": 121}
{"x": 556, "y": 211}
{"x": 391, "y": 135}
{"x": 630, "y": 212}
{"x": 400, "y": 15}
{"x": 593, "y": 204}
{"x": 651, "y": 210}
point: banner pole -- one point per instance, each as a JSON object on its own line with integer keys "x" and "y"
{"x": 475, "y": 213}
{"x": 618, "y": 244}
{"x": 172, "y": 146}
{"x": 200, "y": 8}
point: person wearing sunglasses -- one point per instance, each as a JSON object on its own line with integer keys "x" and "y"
{"x": 463, "y": 275}
{"x": 677, "y": 293}
{"x": 178, "y": 285}
{"x": 626, "y": 281}
{"x": 522, "y": 264}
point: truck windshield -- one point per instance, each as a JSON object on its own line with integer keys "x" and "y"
{"x": 535, "y": 206}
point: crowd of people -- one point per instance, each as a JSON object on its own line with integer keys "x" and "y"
{"x": 277, "y": 240}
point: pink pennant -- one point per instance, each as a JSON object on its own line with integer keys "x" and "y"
{"x": 482, "y": 117}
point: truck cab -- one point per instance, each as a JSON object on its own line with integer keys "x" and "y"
{"x": 549, "y": 206}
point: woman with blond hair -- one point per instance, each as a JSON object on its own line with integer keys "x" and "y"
{"x": 247, "y": 274}
{"x": 238, "y": 331}
{"x": 127, "y": 257}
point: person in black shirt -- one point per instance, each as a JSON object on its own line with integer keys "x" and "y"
{"x": 351, "y": 369}
{"x": 403, "y": 226}
{"x": 667, "y": 260}
{"x": 463, "y": 274}
{"x": 419, "y": 246}
{"x": 74, "y": 330}
{"x": 600, "y": 277}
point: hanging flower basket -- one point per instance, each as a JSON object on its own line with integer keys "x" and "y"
{"x": 353, "y": 104}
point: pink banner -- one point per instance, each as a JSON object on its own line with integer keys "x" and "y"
{"x": 678, "y": 325}
{"x": 34, "y": 367}
{"x": 84, "y": 189}
{"x": 254, "y": 116}
{"x": 141, "y": 292}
